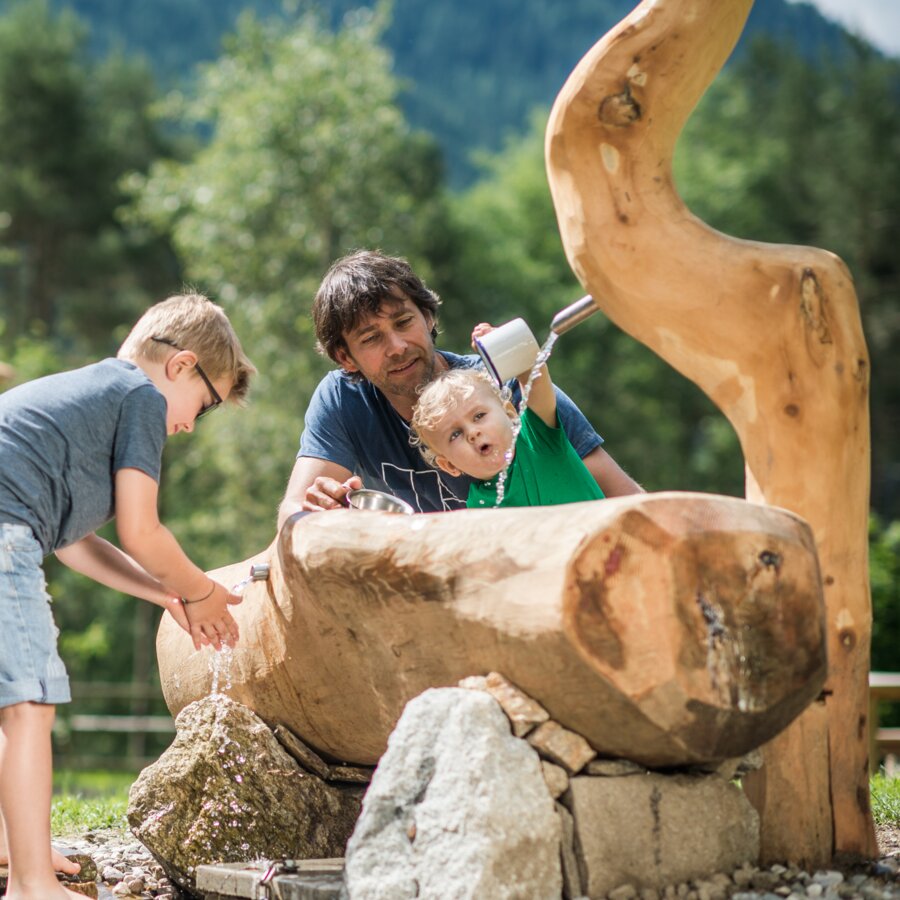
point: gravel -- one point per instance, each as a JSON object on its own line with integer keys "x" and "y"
{"x": 126, "y": 869}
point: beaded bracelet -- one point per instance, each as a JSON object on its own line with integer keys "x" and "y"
{"x": 200, "y": 599}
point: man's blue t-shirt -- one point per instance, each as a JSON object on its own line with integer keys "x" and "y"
{"x": 64, "y": 437}
{"x": 354, "y": 425}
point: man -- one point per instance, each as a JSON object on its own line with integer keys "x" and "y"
{"x": 377, "y": 320}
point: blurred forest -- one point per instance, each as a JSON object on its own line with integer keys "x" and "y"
{"x": 300, "y": 138}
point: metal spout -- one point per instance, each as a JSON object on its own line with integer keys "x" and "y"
{"x": 573, "y": 314}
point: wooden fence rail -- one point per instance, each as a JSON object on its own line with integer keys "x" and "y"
{"x": 883, "y": 742}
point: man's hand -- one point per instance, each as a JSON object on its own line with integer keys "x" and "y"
{"x": 329, "y": 493}
{"x": 210, "y": 621}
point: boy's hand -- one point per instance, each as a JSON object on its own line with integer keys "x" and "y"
{"x": 479, "y": 331}
{"x": 209, "y": 620}
{"x": 175, "y": 608}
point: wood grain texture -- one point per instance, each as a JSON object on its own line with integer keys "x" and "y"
{"x": 771, "y": 333}
{"x": 665, "y": 628}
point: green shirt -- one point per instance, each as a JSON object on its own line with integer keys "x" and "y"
{"x": 545, "y": 471}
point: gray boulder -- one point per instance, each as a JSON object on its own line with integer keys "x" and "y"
{"x": 457, "y": 808}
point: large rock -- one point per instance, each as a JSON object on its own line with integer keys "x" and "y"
{"x": 226, "y": 791}
{"x": 652, "y": 830}
{"x": 457, "y": 808}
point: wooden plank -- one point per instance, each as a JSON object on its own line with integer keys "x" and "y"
{"x": 888, "y": 740}
{"x": 883, "y": 686}
{"x": 121, "y": 724}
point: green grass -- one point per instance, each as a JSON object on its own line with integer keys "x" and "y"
{"x": 86, "y": 800}
{"x": 885, "y": 800}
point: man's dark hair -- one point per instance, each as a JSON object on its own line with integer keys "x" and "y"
{"x": 356, "y": 286}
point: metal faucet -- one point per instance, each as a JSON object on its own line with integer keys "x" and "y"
{"x": 573, "y": 314}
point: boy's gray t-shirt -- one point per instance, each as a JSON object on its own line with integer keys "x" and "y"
{"x": 62, "y": 440}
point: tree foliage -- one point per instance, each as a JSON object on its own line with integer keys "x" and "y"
{"x": 71, "y": 127}
{"x": 308, "y": 157}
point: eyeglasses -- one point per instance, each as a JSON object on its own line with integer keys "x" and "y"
{"x": 216, "y": 399}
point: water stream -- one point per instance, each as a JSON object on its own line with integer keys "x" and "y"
{"x": 540, "y": 360}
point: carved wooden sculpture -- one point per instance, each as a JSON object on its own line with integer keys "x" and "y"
{"x": 666, "y": 628}
{"x": 770, "y": 332}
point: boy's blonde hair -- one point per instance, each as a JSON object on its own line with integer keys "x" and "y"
{"x": 438, "y": 397}
{"x": 192, "y": 322}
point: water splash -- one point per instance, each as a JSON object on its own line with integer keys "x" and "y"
{"x": 540, "y": 360}
{"x": 220, "y": 667}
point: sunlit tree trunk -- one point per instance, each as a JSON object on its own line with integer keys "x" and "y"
{"x": 770, "y": 332}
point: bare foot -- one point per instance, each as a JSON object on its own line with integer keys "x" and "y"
{"x": 60, "y": 862}
{"x": 63, "y": 864}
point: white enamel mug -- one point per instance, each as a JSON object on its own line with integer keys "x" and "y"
{"x": 508, "y": 350}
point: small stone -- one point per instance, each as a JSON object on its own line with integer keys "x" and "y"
{"x": 763, "y": 881}
{"x": 742, "y": 877}
{"x": 648, "y": 893}
{"x": 135, "y": 883}
{"x": 871, "y": 892}
{"x": 828, "y": 878}
{"x": 778, "y": 869}
{"x": 683, "y": 889}
{"x": 881, "y": 870}
{"x": 623, "y": 892}
{"x": 523, "y": 712}
{"x": 783, "y": 890}
{"x": 709, "y": 890}
{"x": 814, "y": 890}
{"x": 720, "y": 879}
{"x": 111, "y": 874}
{"x": 613, "y": 767}
{"x": 555, "y": 777}
{"x": 86, "y": 889}
{"x": 122, "y": 890}
{"x": 561, "y": 746}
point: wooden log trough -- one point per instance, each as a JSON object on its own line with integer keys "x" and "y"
{"x": 666, "y": 628}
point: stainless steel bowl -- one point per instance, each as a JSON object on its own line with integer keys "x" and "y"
{"x": 365, "y": 498}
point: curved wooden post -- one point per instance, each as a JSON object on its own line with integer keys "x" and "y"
{"x": 770, "y": 332}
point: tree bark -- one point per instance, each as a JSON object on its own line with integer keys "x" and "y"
{"x": 771, "y": 333}
{"x": 664, "y": 628}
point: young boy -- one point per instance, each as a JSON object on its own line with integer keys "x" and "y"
{"x": 76, "y": 449}
{"x": 464, "y": 426}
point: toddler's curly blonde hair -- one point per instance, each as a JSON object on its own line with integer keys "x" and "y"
{"x": 440, "y": 396}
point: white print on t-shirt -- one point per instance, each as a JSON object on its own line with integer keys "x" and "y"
{"x": 449, "y": 500}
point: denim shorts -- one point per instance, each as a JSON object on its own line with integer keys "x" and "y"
{"x": 30, "y": 667}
